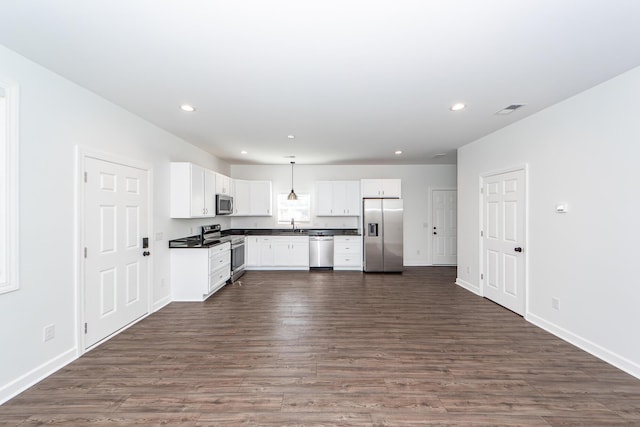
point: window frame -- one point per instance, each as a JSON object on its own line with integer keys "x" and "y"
{"x": 283, "y": 198}
{"x": 9, "y": 203}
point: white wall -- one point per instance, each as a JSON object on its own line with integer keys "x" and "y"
{"x": 416, "y": 182}
{"x": 55, "y": 116}
{"x": 583, "y": 152}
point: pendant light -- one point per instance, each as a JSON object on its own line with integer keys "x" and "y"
{"x": 292, "y": 195}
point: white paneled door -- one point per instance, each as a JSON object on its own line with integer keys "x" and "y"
{"x": 504, "y": 239}
{"x": 115, "y": 271}
{"x": 444, "y": 219}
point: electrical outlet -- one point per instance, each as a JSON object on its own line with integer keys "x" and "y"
{"x": 49, "y": 332}
{"x": 555, "y": 303}
{"x": 162, "y": 283}
{"x": 468, "y": 270}
{"x": 418, "y": 252}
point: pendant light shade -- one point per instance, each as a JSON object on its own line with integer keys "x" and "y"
{"x": 292, "y": 195}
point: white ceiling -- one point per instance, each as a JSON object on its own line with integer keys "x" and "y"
{"x": 352, "y": 80}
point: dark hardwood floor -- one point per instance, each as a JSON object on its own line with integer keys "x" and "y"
{"x": 334, "y": 348}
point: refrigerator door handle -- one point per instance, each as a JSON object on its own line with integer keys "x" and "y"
{"x": 373, "y": 229}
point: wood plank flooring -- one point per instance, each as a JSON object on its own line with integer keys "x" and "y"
{"x": 333, "y": 348}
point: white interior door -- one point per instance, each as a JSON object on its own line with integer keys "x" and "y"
{"x": 503, "y": 242}
{"x": 115, "y": 271}
{"x": 444, "y": 231}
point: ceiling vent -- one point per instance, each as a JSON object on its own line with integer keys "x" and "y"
{"x": 510, "y": 109}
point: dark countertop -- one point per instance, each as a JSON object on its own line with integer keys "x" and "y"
{"x": 290, "y": 232}
{"x": 195, "y": 242}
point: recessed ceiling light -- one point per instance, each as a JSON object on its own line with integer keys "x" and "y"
{"x": 243, "y": 152}
{"x": 188, "y": 108}
{"x": 291, "y": 136}
{"x": 399, "y": 152}
{"x": 457, "y": 107}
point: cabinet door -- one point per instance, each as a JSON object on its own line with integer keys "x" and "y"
{"x": 352, "y": 198}
{"x": 254, "y": 250}
{"x": 299, "y": 252}
{"x": 391, "y": 188}
{"x": 223, "y": 184}
{"x": 242, "y": 199}
{"x": 266, "y": 252}
{"x": 371, "y": 188}
{"x": 197, "y": 191}
{"x": 260, "y": 198}
{"x": 339, "y": 198}
{"x": 281, "y": 251}
{"x": 324, "y": 198}
{"x": 209, "y": 192}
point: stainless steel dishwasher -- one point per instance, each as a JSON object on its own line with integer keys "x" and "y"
{"x": 321, "y": 251}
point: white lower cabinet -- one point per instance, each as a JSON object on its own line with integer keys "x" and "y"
{"x": 347, "y": 252}
{"x": 277, "y": 253}
{"x": 197, "y": 273}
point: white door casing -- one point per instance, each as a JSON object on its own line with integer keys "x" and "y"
{"x": 444, "y": 229}
{"x": 116, "y": 274}
{"x": 503, "y": 241}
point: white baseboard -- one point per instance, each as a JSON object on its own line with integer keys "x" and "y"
{"x": 161, "y": 303}
{"x": 32, "y": 377}
{"x": 608, "y": 356}
{"x": 468, "y": 286}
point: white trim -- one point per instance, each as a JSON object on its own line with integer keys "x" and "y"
{"x": 10, "y": 167}
{"x": 83, "y": 153}
{"x": 17, "y": 386}
{"x": 598, "y": 351}
{"x": 468, "y": 286}
{"x": 160, "y": 304}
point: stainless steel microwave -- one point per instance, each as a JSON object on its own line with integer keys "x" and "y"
{"x": 224, "y": 204}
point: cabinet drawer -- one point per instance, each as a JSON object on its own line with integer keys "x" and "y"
{"x": 219, "y": 260}
{"x": 219, "y": 276}
{"x": 218, "y": 249}
{"x": 346, "y": 260}
{"x": 347, "y": 239}
{"x": 346, "y": 247}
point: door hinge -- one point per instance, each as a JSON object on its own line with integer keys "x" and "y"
{"x": 481, "y": 190}
{"x": 85, "y": 177}
{"x": 85, "y": 327}
{"x": 481, "y": 233}
{"x": 481, "y": 276}
{"x": 85, "y": 252}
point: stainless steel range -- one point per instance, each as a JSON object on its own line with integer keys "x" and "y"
{"x": 237, "y": 256}
{"x": 211, "y": 233}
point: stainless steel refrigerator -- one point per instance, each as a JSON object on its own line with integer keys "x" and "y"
{"x": 382, "y": 229}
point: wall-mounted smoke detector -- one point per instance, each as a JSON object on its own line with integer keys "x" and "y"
{"x": 510, "y": 109}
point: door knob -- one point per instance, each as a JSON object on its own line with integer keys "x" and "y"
{"x": 435, "y": 232}
{"x": 518, "y": 249}
{"x": 146, "y": 253}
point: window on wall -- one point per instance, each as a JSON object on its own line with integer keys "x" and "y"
{"x": 8, "y": 188}
{"x": 298, "y": 210}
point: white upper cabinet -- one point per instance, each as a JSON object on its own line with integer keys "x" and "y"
{"x": 382, "y": 188}
{"x": 252, "y": 198}
{"x": 193, "y": 191}
{"x": 223, "y": 184}
{"x": 337, "y": 198}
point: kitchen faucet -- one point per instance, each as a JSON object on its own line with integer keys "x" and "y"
{"x": 293, "y": 224}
